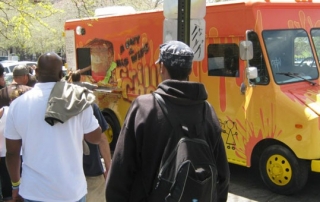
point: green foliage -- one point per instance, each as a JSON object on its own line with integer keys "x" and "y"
{"x": 20, "y": 20}
{"x": 17, "y": 17}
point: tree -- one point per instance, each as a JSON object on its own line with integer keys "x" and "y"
{"x": 18, "y": 19}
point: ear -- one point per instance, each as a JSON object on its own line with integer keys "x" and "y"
{"x": 164, "y": 72}
{"x": 163, "y": 69}
{"x": 36, "y": 72}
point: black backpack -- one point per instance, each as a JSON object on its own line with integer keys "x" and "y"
{"x": 188, "y": 170}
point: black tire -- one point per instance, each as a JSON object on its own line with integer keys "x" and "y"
{"x": 113, "y": 131}
{"x": 282, "y": 171}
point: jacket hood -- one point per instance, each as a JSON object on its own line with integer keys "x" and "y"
{"x": 185, "y": 91}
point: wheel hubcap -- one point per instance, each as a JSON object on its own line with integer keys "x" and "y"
{"x": 279, "y": 170}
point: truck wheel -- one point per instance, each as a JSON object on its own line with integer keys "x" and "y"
{"x": 113, "y": 130}
{"x": 282, "y": 171}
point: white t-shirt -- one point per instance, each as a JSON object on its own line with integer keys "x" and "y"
{"x": 52, "y": 155}
{"x": 3, "y": 119}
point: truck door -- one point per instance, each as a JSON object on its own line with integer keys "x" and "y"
{"x": 259, "y": 95}
{"x": 223, "y": 80}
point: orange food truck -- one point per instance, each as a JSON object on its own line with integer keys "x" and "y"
{"x": 260, "y": 69}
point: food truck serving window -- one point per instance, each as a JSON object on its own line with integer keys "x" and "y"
{"x": 223, "y": 60}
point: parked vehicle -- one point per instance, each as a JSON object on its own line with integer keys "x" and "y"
{"x": 2, "y": 58}
{"x": 29, "y": 63}
{"x": 267, "y": 102}
{"x": 8, "y": 66}
{"x": 8, "y": 77}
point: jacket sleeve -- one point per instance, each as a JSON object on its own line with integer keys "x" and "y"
{"x": 223, "y": 171}
{"x": 124, "y": 162}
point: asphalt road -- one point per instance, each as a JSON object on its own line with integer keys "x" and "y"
{"x": 247, "y": 186}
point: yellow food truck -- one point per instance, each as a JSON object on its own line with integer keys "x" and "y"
{"x": 260, "y": 69}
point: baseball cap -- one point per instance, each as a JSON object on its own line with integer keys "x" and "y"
{"x": 176, "y": 54}
{"x": 20, "y": 70}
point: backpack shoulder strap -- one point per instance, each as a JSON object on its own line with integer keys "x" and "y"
{"x": 172, "y": 120}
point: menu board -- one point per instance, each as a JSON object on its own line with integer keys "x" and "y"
{"x": 70, "y": 50}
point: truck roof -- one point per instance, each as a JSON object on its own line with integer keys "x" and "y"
{"x": 113, "y": 11}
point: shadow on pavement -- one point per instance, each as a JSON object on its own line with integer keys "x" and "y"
{"x": 247, "y": 186}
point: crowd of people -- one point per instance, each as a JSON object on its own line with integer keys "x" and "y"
{"x": 52, "y": 134}
{"x": 48, "y": 150}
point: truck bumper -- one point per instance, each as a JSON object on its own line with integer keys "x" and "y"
{"x": 315, "y": 165}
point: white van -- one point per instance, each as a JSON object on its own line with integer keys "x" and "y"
{"x": 8, "y": 66}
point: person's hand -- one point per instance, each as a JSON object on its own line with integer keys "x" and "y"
{"x": 106, "y": 171}
{"x": 105, "y": 174}
{"x": 15, "y": 196}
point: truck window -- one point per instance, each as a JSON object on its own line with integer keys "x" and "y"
{"x": 84, "y": 59}
{"x": 258, "y": 60}
{"x": 3, "y": 58}
{"x": 223, "y": 60}
{"x": 290, "y": 55}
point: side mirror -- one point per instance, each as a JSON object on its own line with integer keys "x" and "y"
{"x": 246, "y": 50}
{"x": 252, "y": 72}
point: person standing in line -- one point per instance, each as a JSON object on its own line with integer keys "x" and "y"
{"x": 52, "y": 151}
{"x": 2, "y": 85}
{"x": 21, "y": 76}
{"x": 92, "y": 165}
{"x": 2, "y": 80}
{"x": 7, "y": 94}
{"x": 18, "y": 85}
{"x": 145, "y": 131}
{"x": 5, "y": 178}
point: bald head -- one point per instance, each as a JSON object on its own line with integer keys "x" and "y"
{"x": 49, "y": 68}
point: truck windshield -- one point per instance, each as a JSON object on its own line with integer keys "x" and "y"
{"x": 290, "y": 55}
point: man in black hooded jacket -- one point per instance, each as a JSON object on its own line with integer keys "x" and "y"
{"x": 145, "y": 132}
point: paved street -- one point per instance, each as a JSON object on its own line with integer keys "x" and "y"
{"x": 246, "y": 186}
